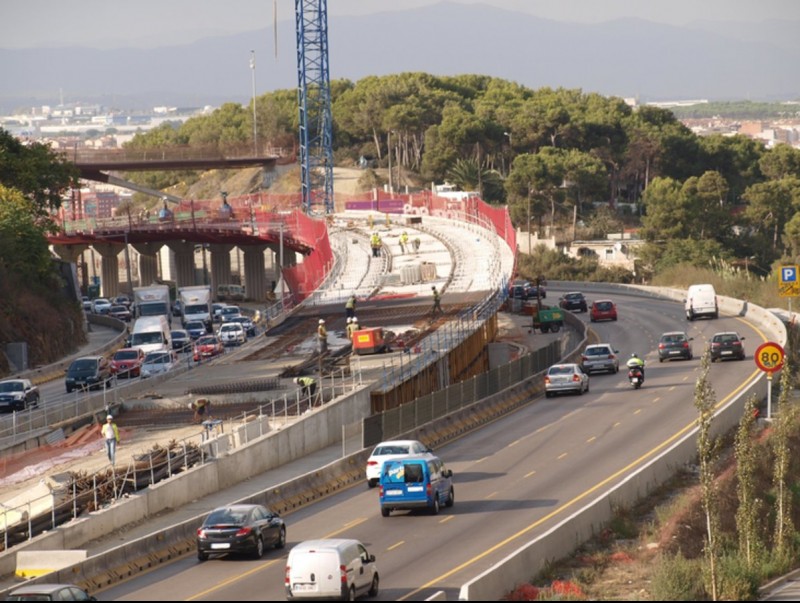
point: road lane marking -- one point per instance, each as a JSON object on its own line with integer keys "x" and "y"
{"x": 236, "y": 578}
{"x": 397, "y": 544}
{"x": 578, "y": 498}
{"x": 530, "y": 474}
{"x": 592, "y": 439}
{"x": 562, "y": 455}
{"x": 637, "y": 411}
{"x": 446, "y": 519}
{"x": 491, "y": 495}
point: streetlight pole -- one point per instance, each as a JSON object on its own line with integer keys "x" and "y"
{"x": 255, "y": 125}
{"x": 389, "y": 153}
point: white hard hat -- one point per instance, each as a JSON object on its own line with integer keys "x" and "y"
{"x": 109, "y": 418}
{"x": 355, "y": 319}
{"x": 349, "y": 320}
{"x": 296, "y": 379}
{"x": 321, "y": 321}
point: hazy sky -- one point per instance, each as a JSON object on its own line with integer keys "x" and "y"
{"x": 149, "y": 23}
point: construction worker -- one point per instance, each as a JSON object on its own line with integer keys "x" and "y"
{"x": 308, "y": 386}
{"x": 437, "y": 301}
{"x": 352, "y": 326}
{"x": 417, "y": 243}
{"x": 375, "y": 242}
{"x": 350, "y": 307}
{"x": 322, "y": 337}
{"x": 403, "y": 242}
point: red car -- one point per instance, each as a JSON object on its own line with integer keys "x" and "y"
{"x": 207, "y": 346}
{"x": 603, "y": 309}
{"x": 127, "y": 362}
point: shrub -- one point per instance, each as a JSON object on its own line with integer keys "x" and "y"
{"x": 678, "y": 579}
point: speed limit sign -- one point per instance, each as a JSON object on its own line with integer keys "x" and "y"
{"x": 769, "y": 357}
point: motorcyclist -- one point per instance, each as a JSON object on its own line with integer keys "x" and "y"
{"x": 635, "y": 362}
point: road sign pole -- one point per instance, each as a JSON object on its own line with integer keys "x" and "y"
{"x": 769, "y": 396}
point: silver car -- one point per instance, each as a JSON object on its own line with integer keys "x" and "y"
{"x": 565, "y": 378}
{"x": 600, "y": 357}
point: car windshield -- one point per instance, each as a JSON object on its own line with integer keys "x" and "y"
{"x": 673, "y": 338}
{"x": 195, "y": 326}
{"x": 726, "y": 338}
{"x": 597, "y": 351}
{"x": 561, "y": 370}
{"x": 161, "y": 358}
{"x": 231, "y": 327}
{"x": 11, "y": 386}
{"x": 126, "y": 355}
{"x": 119, "y": 309}
{"x": 603, "y": 305}
{"x": 85, "y": 364}
{"x": 147, "y": 338}
{"x": 207, "y": 341}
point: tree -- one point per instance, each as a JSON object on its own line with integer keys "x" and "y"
{"x": 23, "y": 242}
{"x": 749, "y": 511}
{"x": 533, "y": 182}
{"x": 771, "y": 205}
{"x": 707, "y": 453}
{"x": 784, "y": 528}
{"x": 36, "y": 171}
{"x": 780, "y": 162}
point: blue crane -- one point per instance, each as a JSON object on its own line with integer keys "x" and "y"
{"x": 314, "y": 99}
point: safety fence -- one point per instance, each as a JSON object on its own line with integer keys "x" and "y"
{"x": 47, "y": 506}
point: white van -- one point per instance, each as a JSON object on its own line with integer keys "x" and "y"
{"x": 151, "y": 334}
{"x": 332, "y": 568}
{"x": 701, "y": 300}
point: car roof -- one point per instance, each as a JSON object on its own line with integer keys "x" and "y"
{"x": 599, "y": 345}
{"x": 564, "y": 364}
{"x": 41, "y": 588}
{"x": 673, "y": 333}
{"x": 603, "y": 301}
{"x": 397, "y": 443}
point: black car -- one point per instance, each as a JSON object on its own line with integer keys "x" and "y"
{"x": 573, "y": 301}
{"x": 240, "y": 529}
{"x": 89, "y": 372}
{"x": 181, "y": 340}
{"x": 17, "y": 394}
{"x": 675, "y": 344}
{"x": 726, "y": 345}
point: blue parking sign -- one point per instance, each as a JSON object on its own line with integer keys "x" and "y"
{"x": 788, "y": 274}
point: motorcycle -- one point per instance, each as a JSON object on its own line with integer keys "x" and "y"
{"x": 636, "y": 377}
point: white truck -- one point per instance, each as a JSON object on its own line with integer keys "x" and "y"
{"x": 152, "y": 300}
{"x": 196, "y": 304}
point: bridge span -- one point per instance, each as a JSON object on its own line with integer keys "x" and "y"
{"x": 277, "y": 233}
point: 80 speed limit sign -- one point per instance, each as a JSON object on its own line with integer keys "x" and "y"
{"x": 769, "y": 357}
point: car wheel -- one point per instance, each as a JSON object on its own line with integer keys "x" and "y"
{"x": 371, "y": 483}
{"x": 352, "y": 594}
{"x": 660, "y": 359}
{"x": 385, "y": 511}
{"x": 258, "y": 552}
{"x": 201, "y": 556}
{"x": 548, "y": 394}
{"x": 281, "y": 538}
{"x": 373, "y": 589}
{"x": 435, "y": 507}
{"x": 555, "y": 328}
{"x": 451, "y": 498}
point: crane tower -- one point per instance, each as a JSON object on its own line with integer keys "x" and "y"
{"x": 314, "y": 99}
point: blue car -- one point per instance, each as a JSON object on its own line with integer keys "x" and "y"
{"x": 195, "y": 328}
{"x": 416, "y": 482}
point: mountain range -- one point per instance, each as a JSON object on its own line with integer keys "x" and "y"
{"x": 650, "y": 61}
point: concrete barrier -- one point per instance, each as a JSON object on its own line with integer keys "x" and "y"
{"x": 32, "y": 564}
{"x": 561, "y": 540}
{"x": 320, "y": 428}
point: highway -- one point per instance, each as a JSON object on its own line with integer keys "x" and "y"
{"x": 514, "y": 479}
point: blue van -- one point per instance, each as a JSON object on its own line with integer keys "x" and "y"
{"x": 416, "y": 482}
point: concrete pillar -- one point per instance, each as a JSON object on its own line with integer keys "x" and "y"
{"x": 148, "y": 262}
{"x": 69, "y": 253}
{"x": 220, "y": 266}
{"x": 185, "y": 266}
{"x": 109, "y": 268}
{"x": 255, "y": 281}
